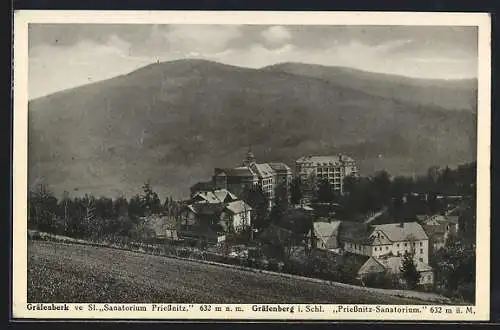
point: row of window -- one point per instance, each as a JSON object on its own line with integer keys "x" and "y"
{"x": 329, "y": 175}
{"x": 324, "y": 176}
{"x": 267, "y": 181}
{"x": 387, "y": 249}
{"x": 359, "y": 247}
{"x": 414, "y": 244}
{"x": 328, "y": 169}
{"x": 356, "y": 246}
{"x": 268, "y": 194}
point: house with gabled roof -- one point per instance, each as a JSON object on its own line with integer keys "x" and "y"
{"x": 393, "y": 239}
{"x": 237, "y": 215}
{"x": 217, "y": 211}
{"x": 385, "y": 245}
{"x": 399, "y": 238}
{"x": 214, "y": 196}
{"x": 439, "y": 228}
{"x": 325, "y": 235}
{"x": 392, "y": 265}
{"x": 371, "y": 266}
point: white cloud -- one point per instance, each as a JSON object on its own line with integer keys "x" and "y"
{"x": 393, "y": 44}
{"x": 53, "y": 68}
{"x": 201, "y": 38}
{"x": 276, "y": 35}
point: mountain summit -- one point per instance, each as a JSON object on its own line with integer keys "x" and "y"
{"x": 173, "y": 122}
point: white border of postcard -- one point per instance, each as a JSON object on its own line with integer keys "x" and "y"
{"x": 20, "y": 309}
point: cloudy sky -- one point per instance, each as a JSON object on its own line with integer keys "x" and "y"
{"x": 62, "y": 56}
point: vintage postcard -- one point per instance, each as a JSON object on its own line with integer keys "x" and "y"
{"x": 251, "y": 165}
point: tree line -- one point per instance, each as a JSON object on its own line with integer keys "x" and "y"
{"x": 402, "y": 197}
{"x": 97, "y": 218}
{"x": 365, "y": 194}
{"x": 89, "y": 216}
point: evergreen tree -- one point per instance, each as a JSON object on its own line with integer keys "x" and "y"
{"x": 295, "y": 191}
{"x": 277, "y": 211}
{"x": 382, "y": 187}
{"x": 455, "y": 266}
{"x": 281, "y": 196}
{"x": 120, "y": 206}
{"x": 104, "y": 208}
{"x": 91, "y": 223}
{"x": 135, "y": 208}
{"x": 409, "y": 271}
{"x": 150, "y": 201}
{"x": 43, "y": 208}
{"x": 325, "y": 192}
{"x": 256, "y": 198}
{"x": 65, "y": 205}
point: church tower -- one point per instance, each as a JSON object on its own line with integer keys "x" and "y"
{"x": 250, "y": 158}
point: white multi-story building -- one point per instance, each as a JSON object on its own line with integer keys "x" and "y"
{"x": 331, "y": 168}
{"x": 393, "y": 239}
{"x": 268, "y": 176}
{"x": 386, "y": 245}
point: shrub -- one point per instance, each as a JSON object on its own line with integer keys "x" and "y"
{"x": 467, "y": 291}
{"x": 379, "y": 280}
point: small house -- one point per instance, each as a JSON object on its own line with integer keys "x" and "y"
{"x": 325, "y": 235}
{"x": 237, "y": 215}
{"x": 392, "y": 266}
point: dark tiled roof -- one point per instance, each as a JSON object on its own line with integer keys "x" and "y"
{"x": 279, "y": 167}
{"x": 435, "y": 230}
{"x": 264, "y": 170}
{"x": 215, "y": 196}
{"x": 205, "y": 208}
{"x": 336, "y": 159}
{"x": 371, "y": 266}
{"x": 238, "y": 207}
{"x": 240, "y": 171}
{"x": 375, "y": 241}
{"x": 398, "y": 232}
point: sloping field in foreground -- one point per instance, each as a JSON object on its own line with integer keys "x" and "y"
{"x": 78, "y": 273}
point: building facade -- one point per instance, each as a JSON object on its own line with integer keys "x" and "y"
{"x": 283, "y": 177}
{"x": 237, "y": 216}
{"x": 394, "y": 239}
{"x": 217, "y": 212}
{"x": 392, "y": 265}
{"x": 267, "y": 176}
{"x": 324, "y": 235}
{"x": 312, "y": 169}
{"x": 386, "y": 244}
{"x": 440, "y": 228}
